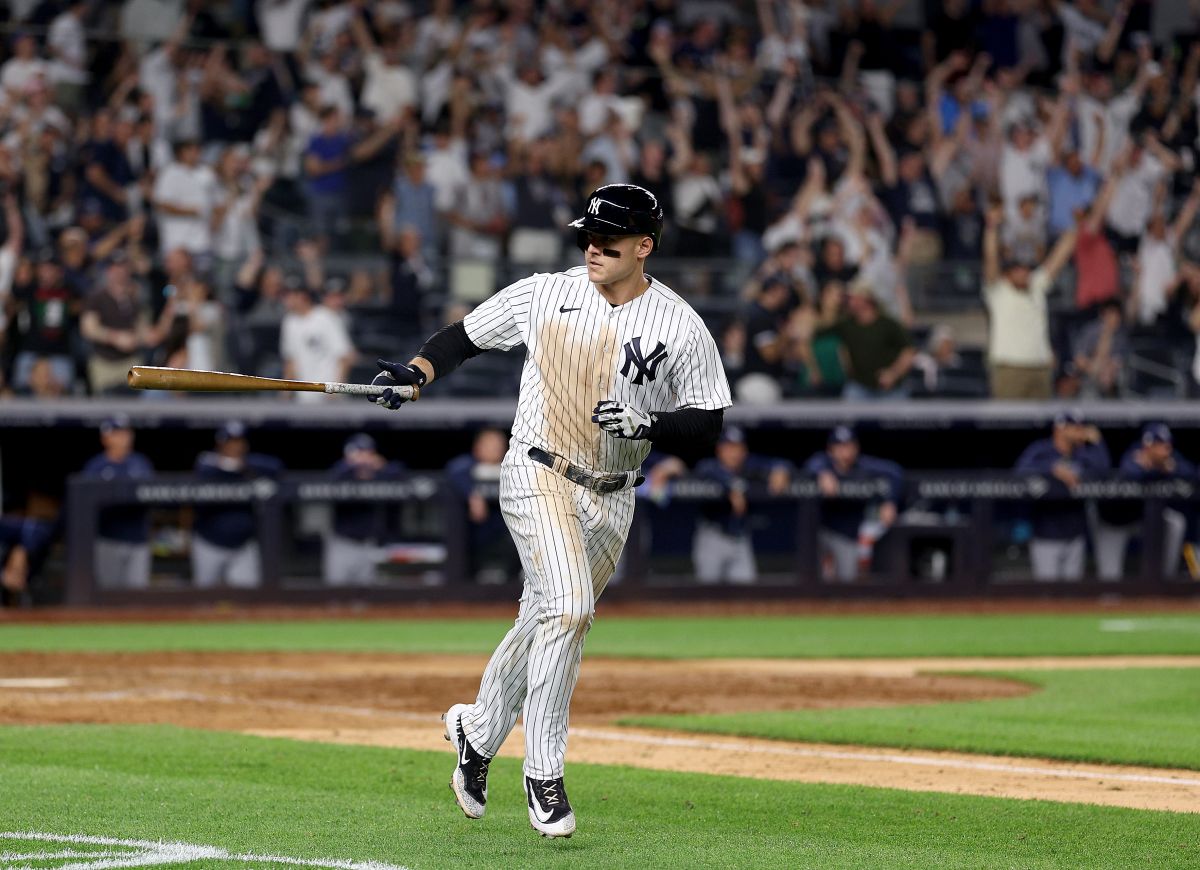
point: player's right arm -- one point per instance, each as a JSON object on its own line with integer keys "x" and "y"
{"x": 491, "y": 326}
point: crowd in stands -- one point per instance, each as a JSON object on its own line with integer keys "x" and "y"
{"x": 293, "y": 186}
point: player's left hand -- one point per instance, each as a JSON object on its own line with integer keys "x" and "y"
{"x": 621, "y": 420}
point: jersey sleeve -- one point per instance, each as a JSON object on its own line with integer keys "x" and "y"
{"x": 493, "y": 324}
{"x": 698, "y": 378}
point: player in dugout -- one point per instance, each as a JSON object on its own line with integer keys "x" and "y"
{"x": 1073, "y": 453}
{"x": 1152, "y": 459}
{"x": 224, "y": 542}
{"x": 722, "y": 549}
{"x": 842, "y": 520}
{"x": 122, "y": 551}
{"x": 476, "y": 477}
{"x": 351, "y": 552}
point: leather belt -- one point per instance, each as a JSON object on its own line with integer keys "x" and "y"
{"x": 612, "y": 482}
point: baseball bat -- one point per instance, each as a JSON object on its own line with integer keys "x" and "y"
{"x": 199, "y": 381}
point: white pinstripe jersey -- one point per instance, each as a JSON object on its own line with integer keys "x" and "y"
{"x": 653, "y": 352}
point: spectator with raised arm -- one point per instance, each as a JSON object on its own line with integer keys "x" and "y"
{"x": 1157, "y": 268}
{"x": 1097, "y": 273}
{"x": 183, "y": 199}
{"x": 879, "y": 350}
{"x": 1019, "y": 351}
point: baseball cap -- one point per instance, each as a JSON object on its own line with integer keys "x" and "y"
{"x": 1069, "y": 418}
{"x": 733, "y": 435}
{"x": 114, "y": 422}
{"x": 1156, "y": 433}
{"x": 230, "y": 431}
{"x": 843, "y": 435}
{"x": 361, "y": 441}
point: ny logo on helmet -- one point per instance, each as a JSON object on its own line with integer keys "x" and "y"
{"x": 594, "y": 205}
{"x": 647, "y": 366}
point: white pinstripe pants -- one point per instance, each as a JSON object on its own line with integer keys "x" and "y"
{"x": 569, "y": 539}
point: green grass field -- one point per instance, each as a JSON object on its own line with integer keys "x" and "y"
{"x": 314, "y": 801}
{"x": 683, "y": 637}
{"x": 1136, "y": 716}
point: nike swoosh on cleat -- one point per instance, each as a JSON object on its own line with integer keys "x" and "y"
{"x": 564, "y": 310}
{"x": 537, "y": 811}
{"x": 463, "y": 753}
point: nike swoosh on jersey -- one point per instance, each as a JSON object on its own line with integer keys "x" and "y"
{"x": 563, "y": 310}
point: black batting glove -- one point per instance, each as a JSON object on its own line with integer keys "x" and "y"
{"x": 395, "y": 375}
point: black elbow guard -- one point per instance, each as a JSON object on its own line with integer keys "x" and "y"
{"x": 448, "y": 348}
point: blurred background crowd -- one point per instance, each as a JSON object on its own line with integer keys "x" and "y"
{"x": 869, "y": 199}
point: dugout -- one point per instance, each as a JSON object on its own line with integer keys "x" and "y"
{"x": 955, "y": 456}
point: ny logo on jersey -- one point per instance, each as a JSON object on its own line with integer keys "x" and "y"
{"x": 594, "y": 206}
{"x": 647, "y": 366}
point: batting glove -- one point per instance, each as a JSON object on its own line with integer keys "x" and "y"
{"x": 395, "y": 375}
{"x": 621, "y": 420}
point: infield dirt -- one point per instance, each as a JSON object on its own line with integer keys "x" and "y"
{"x": 395, "y": 700}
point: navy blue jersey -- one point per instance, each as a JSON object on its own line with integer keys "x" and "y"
{"x": 230, "y": 525}
{"x": 360, "y": 520}
{"x": 1057, "y": 516}
{"x": 127, "y": 523}
{"x": 756, "y": 469}
{"x": 461, "y": 471}
{"x": 844, "y": 516}
{"x": 1125, "y": 512}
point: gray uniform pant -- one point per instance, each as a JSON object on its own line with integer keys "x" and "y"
{"x": 234, "y": 566}
{"x": 1112, "y": 542}
{"x": 569, "y": 539}
{"x": 122, "y": 565}
{"x": 347, "y": 562}
{"x": 1055, "y": 559}
{"x": 842, "y": 552}
{"x": 719, "y": 556}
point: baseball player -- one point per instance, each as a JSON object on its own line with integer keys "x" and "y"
{"x": 841, "y": 519}
{"x": 722, "y": 549}
{"x": 474, "y": 475}
{"x": 224, "y": 547}
{"x": 615, "y": 360}
{"x": 122, "y": 552}
{"x": 1072, "y": 453}
{"x": 1152, "y": 459}
{"x": 351, "y": 553}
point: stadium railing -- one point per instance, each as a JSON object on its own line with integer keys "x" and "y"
{"x": 962, "y": 515}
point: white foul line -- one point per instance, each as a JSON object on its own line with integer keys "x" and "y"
{"x": 158, "y": 853}
{"x": 842, "y": 755}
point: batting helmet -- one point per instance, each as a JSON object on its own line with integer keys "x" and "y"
{"x": 620, "y": 210}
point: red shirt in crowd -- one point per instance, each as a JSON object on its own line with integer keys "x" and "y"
{"x": 1096, "y": 267}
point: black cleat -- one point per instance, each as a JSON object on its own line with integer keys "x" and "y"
{"x": 549, "y": 810}
{"x": 469, "y": 781}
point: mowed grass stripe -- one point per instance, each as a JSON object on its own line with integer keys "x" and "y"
{"x": 682, "y": 637}
{"x": 1143, "y": 716}
{"x": 309, "y": 800}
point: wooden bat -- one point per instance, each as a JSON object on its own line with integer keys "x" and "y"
{"x": 199, "y": 381}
